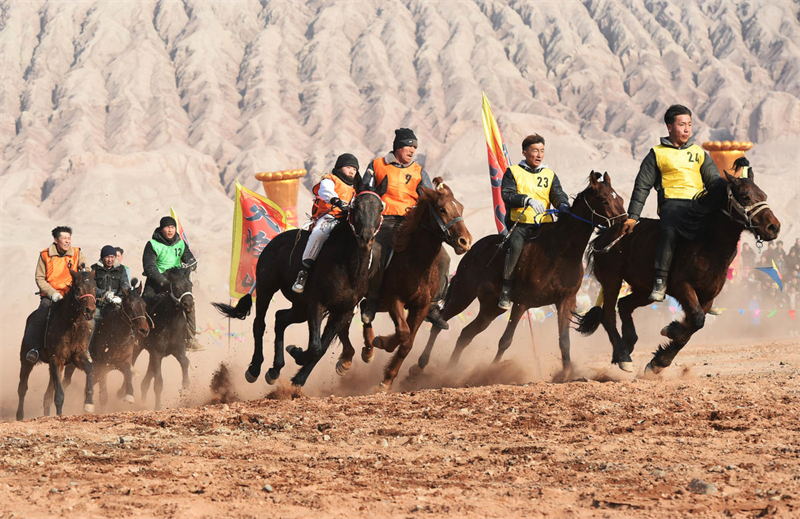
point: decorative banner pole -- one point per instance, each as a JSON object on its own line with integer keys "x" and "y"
{"x": 726, "y": 152}
{"x": 282, "y": 187}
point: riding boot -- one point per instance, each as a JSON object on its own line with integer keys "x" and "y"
{"x": 659, "y": 289}
{"x": 34, "y": 333}
{"x": 191, "y": 325}
{"x": 505, "y": 296}
{"x": 302, "y": 277}
{"x": 437, "y": 301}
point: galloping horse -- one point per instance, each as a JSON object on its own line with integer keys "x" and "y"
{"x": 337, "y": 282}
{"x": 66, "y": 340}
{"x": 549, "y": 271}
{"x": 412, "y": 276}
{"x": 114, "y": 341}
{"x": 697, "y": 274}
{"x": 169, "y": 332}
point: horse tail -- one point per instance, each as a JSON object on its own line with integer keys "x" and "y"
{"x": 240, "y": 311}
{"x": 590, "y": 321}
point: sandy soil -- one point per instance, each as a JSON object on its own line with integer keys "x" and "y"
{"x": 603, "y": 445}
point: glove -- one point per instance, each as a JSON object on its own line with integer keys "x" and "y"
{"x": 339, "y": 203}
{"x": 563, "y": 208}
{"x": 628, "y": 225}
{"x": 108, "y": 296}
{"x": 116, "y": 300}
{"x": 56, "y": 297}
{"x": 536, "y": 205}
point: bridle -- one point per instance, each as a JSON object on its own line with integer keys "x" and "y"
{"x": 746, "y": 212}
{"x": 445, "y": 227}
{"x": 177, "y": 299}
{"x": 609, "y": 221}
{"x": 350, "y": 213}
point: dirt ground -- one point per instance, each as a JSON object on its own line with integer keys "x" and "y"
{"x": 503, "y": 444}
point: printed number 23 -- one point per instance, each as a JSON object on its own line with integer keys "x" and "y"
{"x": 543, "y": 179}
{"x": 693, "y": 158}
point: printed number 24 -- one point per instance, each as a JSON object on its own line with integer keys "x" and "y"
{"x": 693, "y": 158}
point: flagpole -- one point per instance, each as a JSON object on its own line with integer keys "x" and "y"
{"x": 230, "y": 301}
{"x": 533, "y": 345}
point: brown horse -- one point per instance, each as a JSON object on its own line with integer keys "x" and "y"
{"x": 412, "y": 276}
{"x": 66, "y": 340}
{"x": 549, "y": 271}
{"x": 697, "y": 274}
{"x": 114, "y": 340}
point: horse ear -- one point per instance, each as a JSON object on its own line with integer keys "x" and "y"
{"x": 593, "y": 179}
{"x": 383, "y": 186}
{"x": 607, "y": 179}
{"x": 358, "y": 183}
{"x": 438, "y": 182}
{"x": 730, "y": 178}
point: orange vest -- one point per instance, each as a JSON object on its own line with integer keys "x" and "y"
{"x": 345, "y": 193}
{"x": 401, "y": 192}
{"x": 58, "y": 269}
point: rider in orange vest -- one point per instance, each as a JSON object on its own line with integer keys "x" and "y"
{"x": 54, "y": 281}
{"x": 679, "y": 170}
{"x": 333, "y": 194}
{"x": 404, "y": 178}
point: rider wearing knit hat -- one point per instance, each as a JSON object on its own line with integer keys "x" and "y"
{"x": 111, "y": 278}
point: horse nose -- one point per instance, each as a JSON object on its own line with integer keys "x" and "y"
{"x": 464, "y": 243}
{"x": 144, "y": 331}
{"x": 773, "y": 229}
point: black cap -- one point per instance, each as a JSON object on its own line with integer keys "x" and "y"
{"x": 404, "y": 137}
{"x": 167, "y": 220}
{"x": 346, "y": 159}
{"x": 108, "y": 250}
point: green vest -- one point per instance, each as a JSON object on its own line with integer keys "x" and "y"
{"x": 168, "y": 256}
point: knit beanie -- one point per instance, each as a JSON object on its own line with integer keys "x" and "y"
{"x": 167, "y": 220}
{"x": 404, "y": 137}
{"x": 346, "y": 159}
{"x": 108, "y": 250}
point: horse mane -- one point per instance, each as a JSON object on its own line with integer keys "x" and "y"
{"x": 695, "y": 221}
{"x": 413, "y": 220}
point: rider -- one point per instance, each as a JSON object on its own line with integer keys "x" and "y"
{"x": 405, "y": 179}
{"x": 54, "y": 281}
{"x": 679, "y": 170}
{"x": 121, "y": 259}
{"x": 110, "y": 278}
{"x": 164, "y": 251}
{"x": 333, "y": 195}
{"x": 528, "y": 189}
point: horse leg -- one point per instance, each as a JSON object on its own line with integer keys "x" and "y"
{"x": 154, "y": 372}
{"x": 183, "y": 360}
{"x": 336, "y": 323}
{"x": 88, "y": 368}
{"x": 620, "y": 355}
{"x": 259, "y": 327}
{"x": 55, "y": 377}
{"x": 314, "y": 337}
{"x": 426, "y": 354}
{"x": 68, "y": 371}
{"x": 345, "y": 361}
{"x": 102, "y": 382}
{"x": 368, "y": 351}
{"x": 148, "y": 376}
{"x": 565, "y": 308}
{"x": 127, "y": 374}
{"x": 415, "y": 318}
{"x": 24, "y": 373}
{"x": 627, "y": 305}
{"x": 508, "y": 335}
{"x": 693, "y": 320}
{"x": 400, "y": 335}
{"x": 47, "y": 401}
{"x": 283, "y": 319}
{"x": 486, "y": 315}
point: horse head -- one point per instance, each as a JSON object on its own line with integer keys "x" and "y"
{"x": 447, "y": 213}
{"x": 180, "y": 287}
{"x": 747, "y": 204}
{"x": 83, "y": 288}
{"x": 135, "y": 310}
{"x": 604, "y": 203}
{"x": 365, "y": 211}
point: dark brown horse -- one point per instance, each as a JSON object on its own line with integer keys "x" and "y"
{"x": 66, "y": 340}
{"x": 112, "y": 347}
{"x": 549, "y": 271}
{"x": 337, "y": 282}
{"x": 696, "y": 276}
{"x": 412, "y": 276}
{"x": 169, "y": 332}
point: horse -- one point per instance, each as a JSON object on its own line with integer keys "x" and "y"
{"x": 338, "y": 280}
{"x": 114, "y": 341}
{"x": 549, "y": 271}
{"x": 412, "y": 276}
{"x": 697, "y": 273}
{"x": 66, "y": 340}
{"x": 169, "y": 331}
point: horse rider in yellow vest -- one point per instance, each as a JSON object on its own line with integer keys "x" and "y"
{"x": 405, "y": 178}
{"x": 528, "y": 189}
{"x": 54, "y": 281}
{"x": 333, "y": 194}
{"x": 679, "y": 170}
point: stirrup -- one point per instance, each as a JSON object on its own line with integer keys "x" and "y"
{"x": 32, "y": 356}
{"x": 505, "y": 300}
{"x": 659, "y": 290}
{"x": 300, "y": 282}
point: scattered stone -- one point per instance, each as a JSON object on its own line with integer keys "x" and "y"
{"x": 54, "y": 490}
{"x": 267, "y": 488}
{"x": 716, "y": 468}
{"x": 698, "y": 486}
{"x": 658, "y": 473}
{"x": 326, "y": 438}
{"x": 384, "y": 443}
{"x": 784, "y": 363}
{"x": 731, "y": 467}
{"x": 85, "y": 453}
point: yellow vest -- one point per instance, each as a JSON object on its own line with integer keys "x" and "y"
{"x": 680, "y": 170}
{"x": 536, "y": 186}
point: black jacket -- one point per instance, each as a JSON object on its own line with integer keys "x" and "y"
{"x": 650, "y": 177}
{"x": 113, "y": 279}
{"x": 149, "y": 257}
{"x": 513, "y": 199}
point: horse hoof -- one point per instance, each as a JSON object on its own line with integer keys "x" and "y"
{"x": 343, "y": 367}
{"x": 377, "y": 342}
{"x": 384, "y": 387}
{"x": 665, "y": 331}
{"x": 627, "y": 367}
{"x": 89, "y": 408}
{"x": 652, "y": 368}
{"x": 415, "y": 370}
{"x": 129, "y": 399}
{"x": 367, "y": 354}
{"x": 271, "y": 381}
{"x": 249, "y": 376}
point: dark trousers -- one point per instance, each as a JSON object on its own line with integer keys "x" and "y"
{"x": 34, "y": 333}
{"x": 515, "y": 243}
{"x": 671, "y": 214}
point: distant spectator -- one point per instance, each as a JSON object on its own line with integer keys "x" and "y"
{"x": 748, "y": 256}
{"x": 120, "y": 259}
{"x": 796, "y": 247}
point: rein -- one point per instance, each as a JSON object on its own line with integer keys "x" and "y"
{"x": 178, "y": 299}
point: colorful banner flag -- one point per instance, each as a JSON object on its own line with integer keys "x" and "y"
{"x": 256, "y": 221}
{"x": 181, "y": 232}
{"x": 774, "y": 273}
{"x": 498, "y": 162}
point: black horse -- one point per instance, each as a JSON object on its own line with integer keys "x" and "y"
{"x": 337, "y": 282}
{"x": 170, "y": 331}
{"x": 697, "y": 274}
